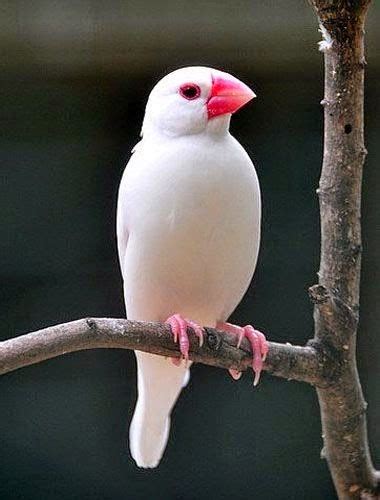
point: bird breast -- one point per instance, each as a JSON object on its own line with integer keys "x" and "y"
{"x": 192, "y": 211}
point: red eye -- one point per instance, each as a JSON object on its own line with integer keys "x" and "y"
{"x": 190, "y": 91}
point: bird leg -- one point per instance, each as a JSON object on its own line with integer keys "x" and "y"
{"x": 258, "y": 343}
{"x": 178, "y": 326}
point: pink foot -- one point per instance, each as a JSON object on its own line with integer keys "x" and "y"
{"x": 179, "y": 326}
{"x": 258, "y": 343}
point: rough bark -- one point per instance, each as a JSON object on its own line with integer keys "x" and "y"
{"x": 219, "y": 349}
{"x": 328, "y": 361}
{"x": 336, "y": 297}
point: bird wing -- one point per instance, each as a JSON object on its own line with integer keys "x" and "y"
{"x": 159, "y": 381}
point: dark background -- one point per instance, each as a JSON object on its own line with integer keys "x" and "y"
{"x": 74, "y": 78}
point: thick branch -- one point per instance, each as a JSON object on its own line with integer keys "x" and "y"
{"x": 328, "y": 361}
{"x": 219, "y": 349}
{"x": 337, "y": 295}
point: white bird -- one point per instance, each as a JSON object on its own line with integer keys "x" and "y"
{"x": 188, "y": 229}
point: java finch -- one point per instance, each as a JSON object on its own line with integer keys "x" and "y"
{"x": 188, "y": 228}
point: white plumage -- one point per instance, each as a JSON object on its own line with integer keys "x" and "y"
{"x": 188, "y": 227}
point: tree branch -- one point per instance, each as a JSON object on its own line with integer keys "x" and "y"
{"x": 219, "y": 349}
{"x": 328, "y": 361}
{"x": 336, "y": 297}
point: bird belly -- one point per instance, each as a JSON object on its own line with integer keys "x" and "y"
{"x": 194, "y": 249}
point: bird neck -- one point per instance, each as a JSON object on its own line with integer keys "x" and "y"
{"x": 215, "y": 127}
{"x": 219, "y": 125}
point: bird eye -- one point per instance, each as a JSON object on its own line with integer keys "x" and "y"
{"x": 190, "y": 91}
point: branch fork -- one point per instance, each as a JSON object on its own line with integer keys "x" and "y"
{"x": 328, "y": 361}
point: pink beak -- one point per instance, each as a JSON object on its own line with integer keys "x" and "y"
{"x": 228, "y": 94}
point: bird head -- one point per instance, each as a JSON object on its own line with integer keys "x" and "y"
{"x": 194, "y": 99}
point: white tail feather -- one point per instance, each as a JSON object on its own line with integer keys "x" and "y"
{"x": 159, "y": 383}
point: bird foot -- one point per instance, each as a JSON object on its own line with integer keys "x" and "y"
{"x": 258, "y": 343}
{"x": 179, "y": 326}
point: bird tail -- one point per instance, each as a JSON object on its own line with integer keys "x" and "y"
{"x": 159, "y": 383}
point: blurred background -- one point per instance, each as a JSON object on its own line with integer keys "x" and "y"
{"x": 75, "y": 77}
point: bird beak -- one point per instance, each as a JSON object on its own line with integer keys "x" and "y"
{"x": 228, "y": 94}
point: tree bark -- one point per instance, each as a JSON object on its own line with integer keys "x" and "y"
{"x": 219, "y": 349}
{"x": 336, "y": 298}
{"x": 328, "y": 361}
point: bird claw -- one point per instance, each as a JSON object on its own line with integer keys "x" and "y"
{"x": 258, "y": 343}
{"x": 235, "y": 374}
{"x": 259, "y": 348}
{"x": 179, "y": 326}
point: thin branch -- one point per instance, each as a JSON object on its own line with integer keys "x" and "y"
{"x": 328, "y": 362}
{"x": 219, "y": 349}
{"x": 336, "y": 297}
